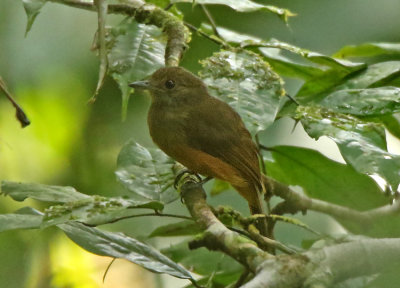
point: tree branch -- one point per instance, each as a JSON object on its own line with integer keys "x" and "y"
{"x": 315, "y": 268}
{"x": 298, "y": 202}
{"x": 178, "y": 35}
{"x": 216, "y": 236}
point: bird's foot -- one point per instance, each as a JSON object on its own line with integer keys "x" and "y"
{"x": 187, "y": 172}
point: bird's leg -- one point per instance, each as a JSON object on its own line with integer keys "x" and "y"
{"x": 182, "y": 173}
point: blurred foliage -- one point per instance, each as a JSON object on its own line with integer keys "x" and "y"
{"x": 53, "y": 75}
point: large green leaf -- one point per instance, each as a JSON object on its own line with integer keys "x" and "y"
{"x": 136, "y": 51}
{"x": 243, "y": 6}
{"x": 361, "y": 144}
{"x": 368, "y": 50}
{"x": 25, "y": 218}
{"x": 324, "y": 179}
{"x": 119, "y": 245}
{"x": 47, "y": 193}
{"x": 95, "y": 210}
{"x": 146, "y": 172}
{"x": 32, "y": 9}
{"x": 364, "y": 102}
{"x": 247, "y": 83}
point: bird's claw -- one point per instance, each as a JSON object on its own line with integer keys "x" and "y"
{"x": 182, "y": 173}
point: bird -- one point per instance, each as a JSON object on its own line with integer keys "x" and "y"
{"x": 203, "y": 133}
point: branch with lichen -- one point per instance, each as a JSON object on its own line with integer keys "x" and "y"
{"x": 315, "y": 268}
{"x": 177, "y": 34}
{"x": 216, "y": 236}
{"x": 295, "y": 202}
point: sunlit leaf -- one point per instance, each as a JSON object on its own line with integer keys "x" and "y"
{"x": 182, "y": 228}
{"x": 95, "y": 210}
{"x": 362, "y": 144}
{"x": 247, "y": 83}
{"x": 119, "y": 245}
{"x": 244, "y": 6}
{"x": 136, "y": 51}
{"x": 47, "y": 193}
{"x": 368, "y": 50}
{"x": 25, "y": 218}
{"x": 32, "y": 9}
{"x": 323, "y": 178}
{"x": 364, "y": 102}
{"x": 146, "y": 172}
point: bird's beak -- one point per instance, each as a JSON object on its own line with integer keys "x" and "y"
{"x": 143, "y": 84}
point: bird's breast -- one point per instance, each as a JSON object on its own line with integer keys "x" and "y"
{"x": 166, "y": 127}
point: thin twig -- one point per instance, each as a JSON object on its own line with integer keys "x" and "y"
{"x": 107, "y": 269}
{"x": 299, "y": 202}
{"x": 214, "y": 39}
{"x": 211, "y": 19}
{"x": 267, "y": 243}
{"x": 140, "y": 215}
{"x": 20, "y": 114}
{"x": 177, "y": 34}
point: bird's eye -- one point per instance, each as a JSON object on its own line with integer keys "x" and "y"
{"x": 170, "y": 84}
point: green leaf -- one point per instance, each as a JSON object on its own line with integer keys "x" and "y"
{"x": 136, "y": 51}
{"x": 328, "y": 73}
{"x": 323, "y": 178}
{"x": 288, "y": 67}
{"x": 95, "y": 210}
{"x": 247, "y": 83}
{"x": 201, "y": 261}
{"x": 317, "y": 58}
{"x": 316, "y": 88}
{"x": 119, "y": 245}
{"x": 244, "y": 6}
{"x": 25, "y": 218}
{"x": 368, "y": 50}
{"x": 183, "y": 228}
{"x": 362, "y": 144}
{"x": 375, "y": 75}
{"x": 20, "y": 191}
{"x": 32, "y": 9}
{"x": 364, "y": 102}
{"x": 280, "y": 63}
{"x": 146, "y": 172}
{"x": 392, "y": 123}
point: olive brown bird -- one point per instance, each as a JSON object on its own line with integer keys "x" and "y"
{"x": 203, "y": 133}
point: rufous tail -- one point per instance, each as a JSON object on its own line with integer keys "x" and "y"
{"x": 255, "y": 199}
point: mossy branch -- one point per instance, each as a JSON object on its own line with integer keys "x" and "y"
{"x": 295, "y": 202}
{"x": 177, "y": 34}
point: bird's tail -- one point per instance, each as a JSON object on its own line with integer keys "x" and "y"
{"x": 255, "y": 198}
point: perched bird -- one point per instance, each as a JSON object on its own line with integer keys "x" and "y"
{"x": 203, "y": 133}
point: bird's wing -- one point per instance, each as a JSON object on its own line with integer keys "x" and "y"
{"x": 216, "y": 129}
